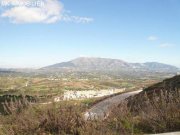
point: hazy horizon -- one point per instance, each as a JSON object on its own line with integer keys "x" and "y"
{"x": 48, "y": 64}
{"x": 35, "y": 36}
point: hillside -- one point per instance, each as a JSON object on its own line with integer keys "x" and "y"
{"x": 155, "y": 110}
{"x": 171, "y": 85}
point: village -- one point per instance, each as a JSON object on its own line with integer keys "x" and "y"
{"x": 85, "y": 94}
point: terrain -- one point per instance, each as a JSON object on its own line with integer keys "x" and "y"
{"x": 154, "y": 110}
{"x": 32, "y": 101}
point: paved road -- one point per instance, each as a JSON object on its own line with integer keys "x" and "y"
{"x": 99, "y": 110}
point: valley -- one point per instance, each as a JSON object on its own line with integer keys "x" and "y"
{"x": 52, "y": 97}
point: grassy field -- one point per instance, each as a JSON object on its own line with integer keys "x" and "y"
{"x": 46, "y": 86}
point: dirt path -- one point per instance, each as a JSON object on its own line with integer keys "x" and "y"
{"x": 101, "y": 109}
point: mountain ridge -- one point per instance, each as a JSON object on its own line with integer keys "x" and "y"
{"x": 95, "y": 63}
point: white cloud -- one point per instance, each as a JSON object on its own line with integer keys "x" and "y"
{"x": 50, "y": 11}
{"x": 166, "y": 45}
{"x": 76, "y": 19}
{"x": 152, "y": 38}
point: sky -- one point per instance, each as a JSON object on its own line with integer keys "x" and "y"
{"x": 46, "y": 32}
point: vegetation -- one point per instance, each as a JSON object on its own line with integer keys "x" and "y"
{"x": 42, "y": 86}
{"x": 153, "y": 116}
{"x": 155, "y": 110}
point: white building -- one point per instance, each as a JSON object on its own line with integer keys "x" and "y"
{"x": 78, "y": 95}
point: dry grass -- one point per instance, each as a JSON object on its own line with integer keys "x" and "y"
{"x": 142, "y": 114}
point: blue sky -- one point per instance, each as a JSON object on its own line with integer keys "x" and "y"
{"x": 131, "y": 30}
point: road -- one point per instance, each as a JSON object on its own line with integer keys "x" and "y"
{"x": 100, "y": 109}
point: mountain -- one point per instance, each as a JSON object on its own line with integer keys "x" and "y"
{"x": 6, "y": 72}
{"x": 91, "y": 64}
{"x": 155, "y": 66}
{"x": 105, "y": 64}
